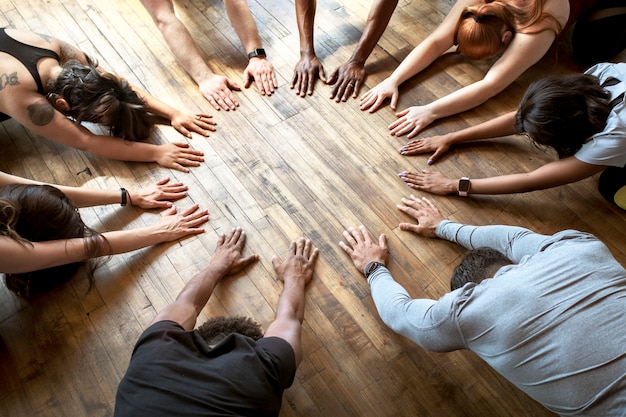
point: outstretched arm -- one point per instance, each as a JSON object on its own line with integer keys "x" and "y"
{"x": 226, "y": 260}
{"x": 500, "y": 126}
{"x": 259, "y": 69}
{"x": 349, "y": 77}
{"x": 18, "y": 257}
{"x": 431, "y": 48}
{"x": 35, "y": 113}
{"x": 215, "y": 88}
{"x": 524, "y": 51}
{"x": 561, "y": 172}
{"x": 158, "y": 195}
{"x": 514, "y": 242}
{"x": 309, "y": 67}
{"x": 295, "y": 272}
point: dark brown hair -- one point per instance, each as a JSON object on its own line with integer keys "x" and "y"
{"x": 217, "y": 328}
{"x": 102, "y": 98}
{"x": 563, "y": 111}
{"x": 38, "y": 213}
{"x": 477, "y": 265}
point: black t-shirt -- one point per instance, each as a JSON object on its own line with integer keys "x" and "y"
{"x": 173, "y": 372}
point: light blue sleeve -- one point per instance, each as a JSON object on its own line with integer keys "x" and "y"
{"x": 513, "y": 241}
{"x": 429, "y": 323}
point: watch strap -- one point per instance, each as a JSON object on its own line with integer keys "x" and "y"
{"x": 257, "y": 53}
{"x": 371, "y": 267}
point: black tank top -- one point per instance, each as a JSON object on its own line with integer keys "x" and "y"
{"x": 28, "y": 55}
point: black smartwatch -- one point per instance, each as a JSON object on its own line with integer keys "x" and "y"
{"x": 464, "y": 186}
{"x": 258, "y": 52}
{"x": 371, "y": 267}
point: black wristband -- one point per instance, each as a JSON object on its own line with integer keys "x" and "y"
{"x": 124, "y": 196}
{"x": 371, "y": 267}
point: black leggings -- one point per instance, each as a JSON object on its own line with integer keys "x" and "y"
{"x": 612, "y": 180}
{"x": 601, "y": 33}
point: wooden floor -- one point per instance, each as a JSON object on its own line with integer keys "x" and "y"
{"x": 280, "y": 167}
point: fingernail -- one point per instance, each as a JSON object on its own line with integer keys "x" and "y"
{"x": 430, "y": 162}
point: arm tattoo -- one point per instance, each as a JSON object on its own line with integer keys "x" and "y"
{"x": 46, "y": 38}
{"x": 8, "y": 79}
{"x": 40, "y": 113}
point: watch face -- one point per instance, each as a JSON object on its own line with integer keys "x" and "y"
{"x": 464, "y": 185}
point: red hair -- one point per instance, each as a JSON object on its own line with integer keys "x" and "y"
{"x": 480, "y": 28}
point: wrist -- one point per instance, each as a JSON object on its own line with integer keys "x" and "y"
{"x": 371, "y": 267}
{"x": 463, "y": 186}
{"x": 257, "y": 53}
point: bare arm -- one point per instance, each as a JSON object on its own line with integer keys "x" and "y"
{"x": 431, "y": 48}
{"x": 226, "y": 260}
{"x": 561, "y": 172}
{"x": 295, "y": 272}
{"x": 500, "y": 126}
{"x": 309, "y": 67}
{"x": 17, "y": 258}
{"x": 259, "y": 69}
{"x": 350, "y": 76}
{"x": 523, "y": 52}
{"x": 215, "y": 88}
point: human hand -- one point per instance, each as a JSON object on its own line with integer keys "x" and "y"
{"x": 186, "y": 123}
{"x": 307, "y": 70}
{"x": 362, "y": 249}
{"x": 424, "y": 212}
{"x": 299, "y": 266}
{"x": 262, "y": 72}
{"x": 347, "y": 79}
{"x": 174, "y": 225}
{"x": 159, "y": 195}
{"x": 178, "y": 156}
{"x": 411, "y": 120}
{"x": 217, "y": 89}
{"x": 439, "y": 144}
{"x": 374, "y": 98}
{"x": 227, "y": 258}
{"x": 429, "y": 181}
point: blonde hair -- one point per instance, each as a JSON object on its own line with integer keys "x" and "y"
{"x": 479, "y": 29}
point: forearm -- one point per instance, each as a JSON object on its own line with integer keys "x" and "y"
{"x": 421, "y": 320}
{"x": 241, "y": 18}
{"x": 305, "y": 16}
{"x": 291, "y": 302}
{"x": 155, "y": 105}
{"x": 184, "y": 48}
{"x": 419, "y": 58}
{"x": 513, "y": 241}
{"x": 121, "y": 150}
{"x": 375, "y": 26}
{"x": 500, "y": 126}
{"x": 463, "y": 99}
{"x": 192, "y": 299}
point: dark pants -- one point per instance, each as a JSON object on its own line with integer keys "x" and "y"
{"x": 601, "y": 33}
{"x": 612, "y": 180}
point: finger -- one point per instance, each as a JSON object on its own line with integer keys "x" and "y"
{"x": 234, "y": 235}
{"x": 292, "y": 247}
{"x": 394, "y": 101}
{"x": 357, "y": 87}
{"x": 314, "y": 256}
{"x": 276, "y": 263}
{"x": 300, "y": 246}
{"x": 357, "y": 235}
{"x": 335, "y": 91}
{"x": 310, "y": 85}
{"x": 248, "y": 260}
{"x": 333, "y": 77}
{"x": 410, "y": 227}
{"x": 294, "y": 80}
{"x": 307, "y": 248}
{"x": 347, "y": 91}
{"x": 241, "y": 239}
{"x": 382, "y": 241}
{"x": 349, "y": 237}
{"x": 366, "y": 235}
{"x": 169, "y": 212}
{"x": 413, "y": 133}
{"x": 347, "y": 249}
{"x": 190, "y": 209}
{"x": 164, "y": 181}
{"x": 221, "y": 239}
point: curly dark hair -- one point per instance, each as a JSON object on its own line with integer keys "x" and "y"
{"x": 563, "y": 111}
{"x": 477, "y": 265}
{"x": 38, "y": 213}
{"x": 217, "y": 328}
{"x": 102, "y": 98}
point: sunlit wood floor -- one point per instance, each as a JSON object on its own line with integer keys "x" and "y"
{"x": 281, "y": 167}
